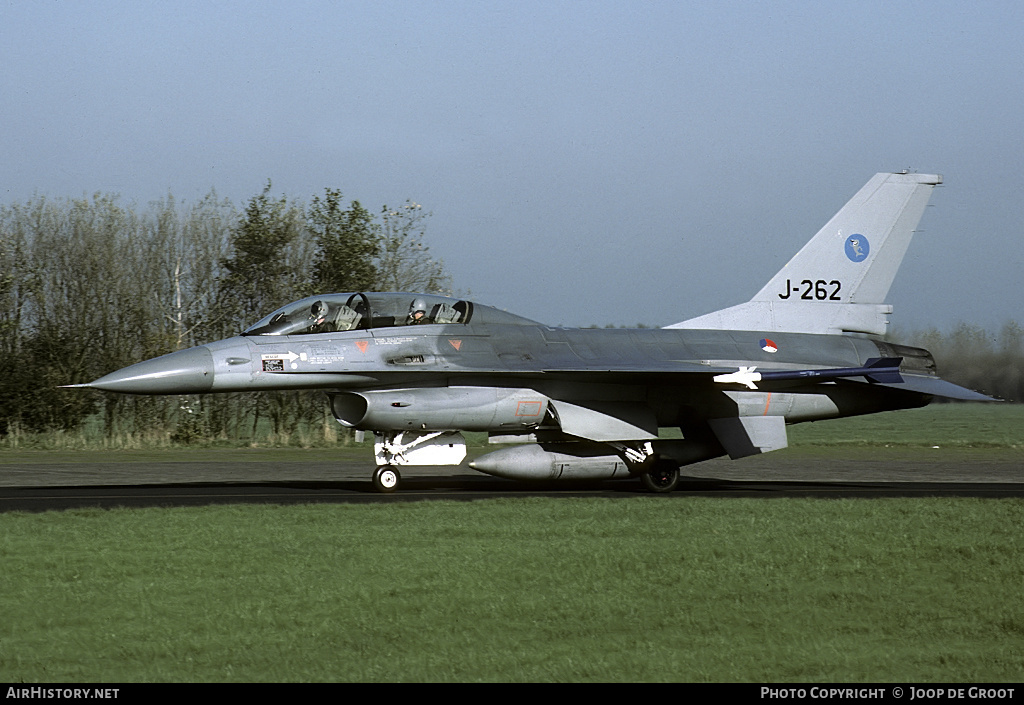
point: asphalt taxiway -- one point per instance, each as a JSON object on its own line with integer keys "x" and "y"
{"x": 41, "y": 485}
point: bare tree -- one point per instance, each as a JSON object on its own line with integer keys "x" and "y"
{"x": 405, "y": 263}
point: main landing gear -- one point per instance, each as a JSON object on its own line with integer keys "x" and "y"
{"x": 663, "y": 477}
{"x": 659, "y": 474}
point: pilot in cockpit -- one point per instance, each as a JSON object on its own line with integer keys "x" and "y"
{"x": 417, "y": 313}
{"x": 317, "y": 317}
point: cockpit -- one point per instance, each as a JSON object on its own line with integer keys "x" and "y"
{"x": 332, "y": 313}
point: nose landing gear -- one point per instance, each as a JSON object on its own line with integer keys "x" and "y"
{"x": 386, "y": 478}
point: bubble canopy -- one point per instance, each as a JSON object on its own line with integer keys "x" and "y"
{"x": 332, "y": 313}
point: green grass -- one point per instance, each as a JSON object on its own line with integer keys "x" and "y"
{"x": 642, "y": 589}
{"x": 943, "y": 425}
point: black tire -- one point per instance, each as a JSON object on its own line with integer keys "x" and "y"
{"x": 663, "y": 477}
{"x": 386, "y": 478}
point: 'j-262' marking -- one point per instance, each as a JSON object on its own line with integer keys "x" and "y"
{"x": 817, "y": 290}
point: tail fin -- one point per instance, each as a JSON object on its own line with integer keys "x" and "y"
{"x": 837, "y": 283}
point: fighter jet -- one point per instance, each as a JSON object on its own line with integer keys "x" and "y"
{"x": 418, "y": 370}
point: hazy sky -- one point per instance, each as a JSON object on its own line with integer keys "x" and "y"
{"x": 585, "y": 162}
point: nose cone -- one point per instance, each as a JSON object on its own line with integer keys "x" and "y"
{"x": 183, "y": 372}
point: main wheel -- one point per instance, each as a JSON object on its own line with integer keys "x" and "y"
{"x": 386, "y": 478}
{"x": 663, "y": 477}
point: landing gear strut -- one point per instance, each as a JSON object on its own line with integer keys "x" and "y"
{"x": 394, "y": 448}
{"x": 386, "y": 478}
{"x": 663, "y": 477}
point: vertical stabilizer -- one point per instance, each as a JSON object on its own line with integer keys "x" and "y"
{"x": 839, "y": 280}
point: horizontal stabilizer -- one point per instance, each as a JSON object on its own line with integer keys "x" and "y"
{"x": 939, "y": 388}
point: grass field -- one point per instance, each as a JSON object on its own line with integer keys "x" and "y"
{"x": 944, "y": 425}
{"x": 640, "y": 589}
{"x": 647, "y": 589}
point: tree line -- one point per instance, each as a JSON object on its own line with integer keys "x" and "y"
{"x": 90, "y": 285}
{"x": 968, "y": 355}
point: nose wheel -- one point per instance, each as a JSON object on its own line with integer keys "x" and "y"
{"x": 386, "y": 478}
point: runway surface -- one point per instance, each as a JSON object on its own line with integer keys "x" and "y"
{"x": 283, "y": 477}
